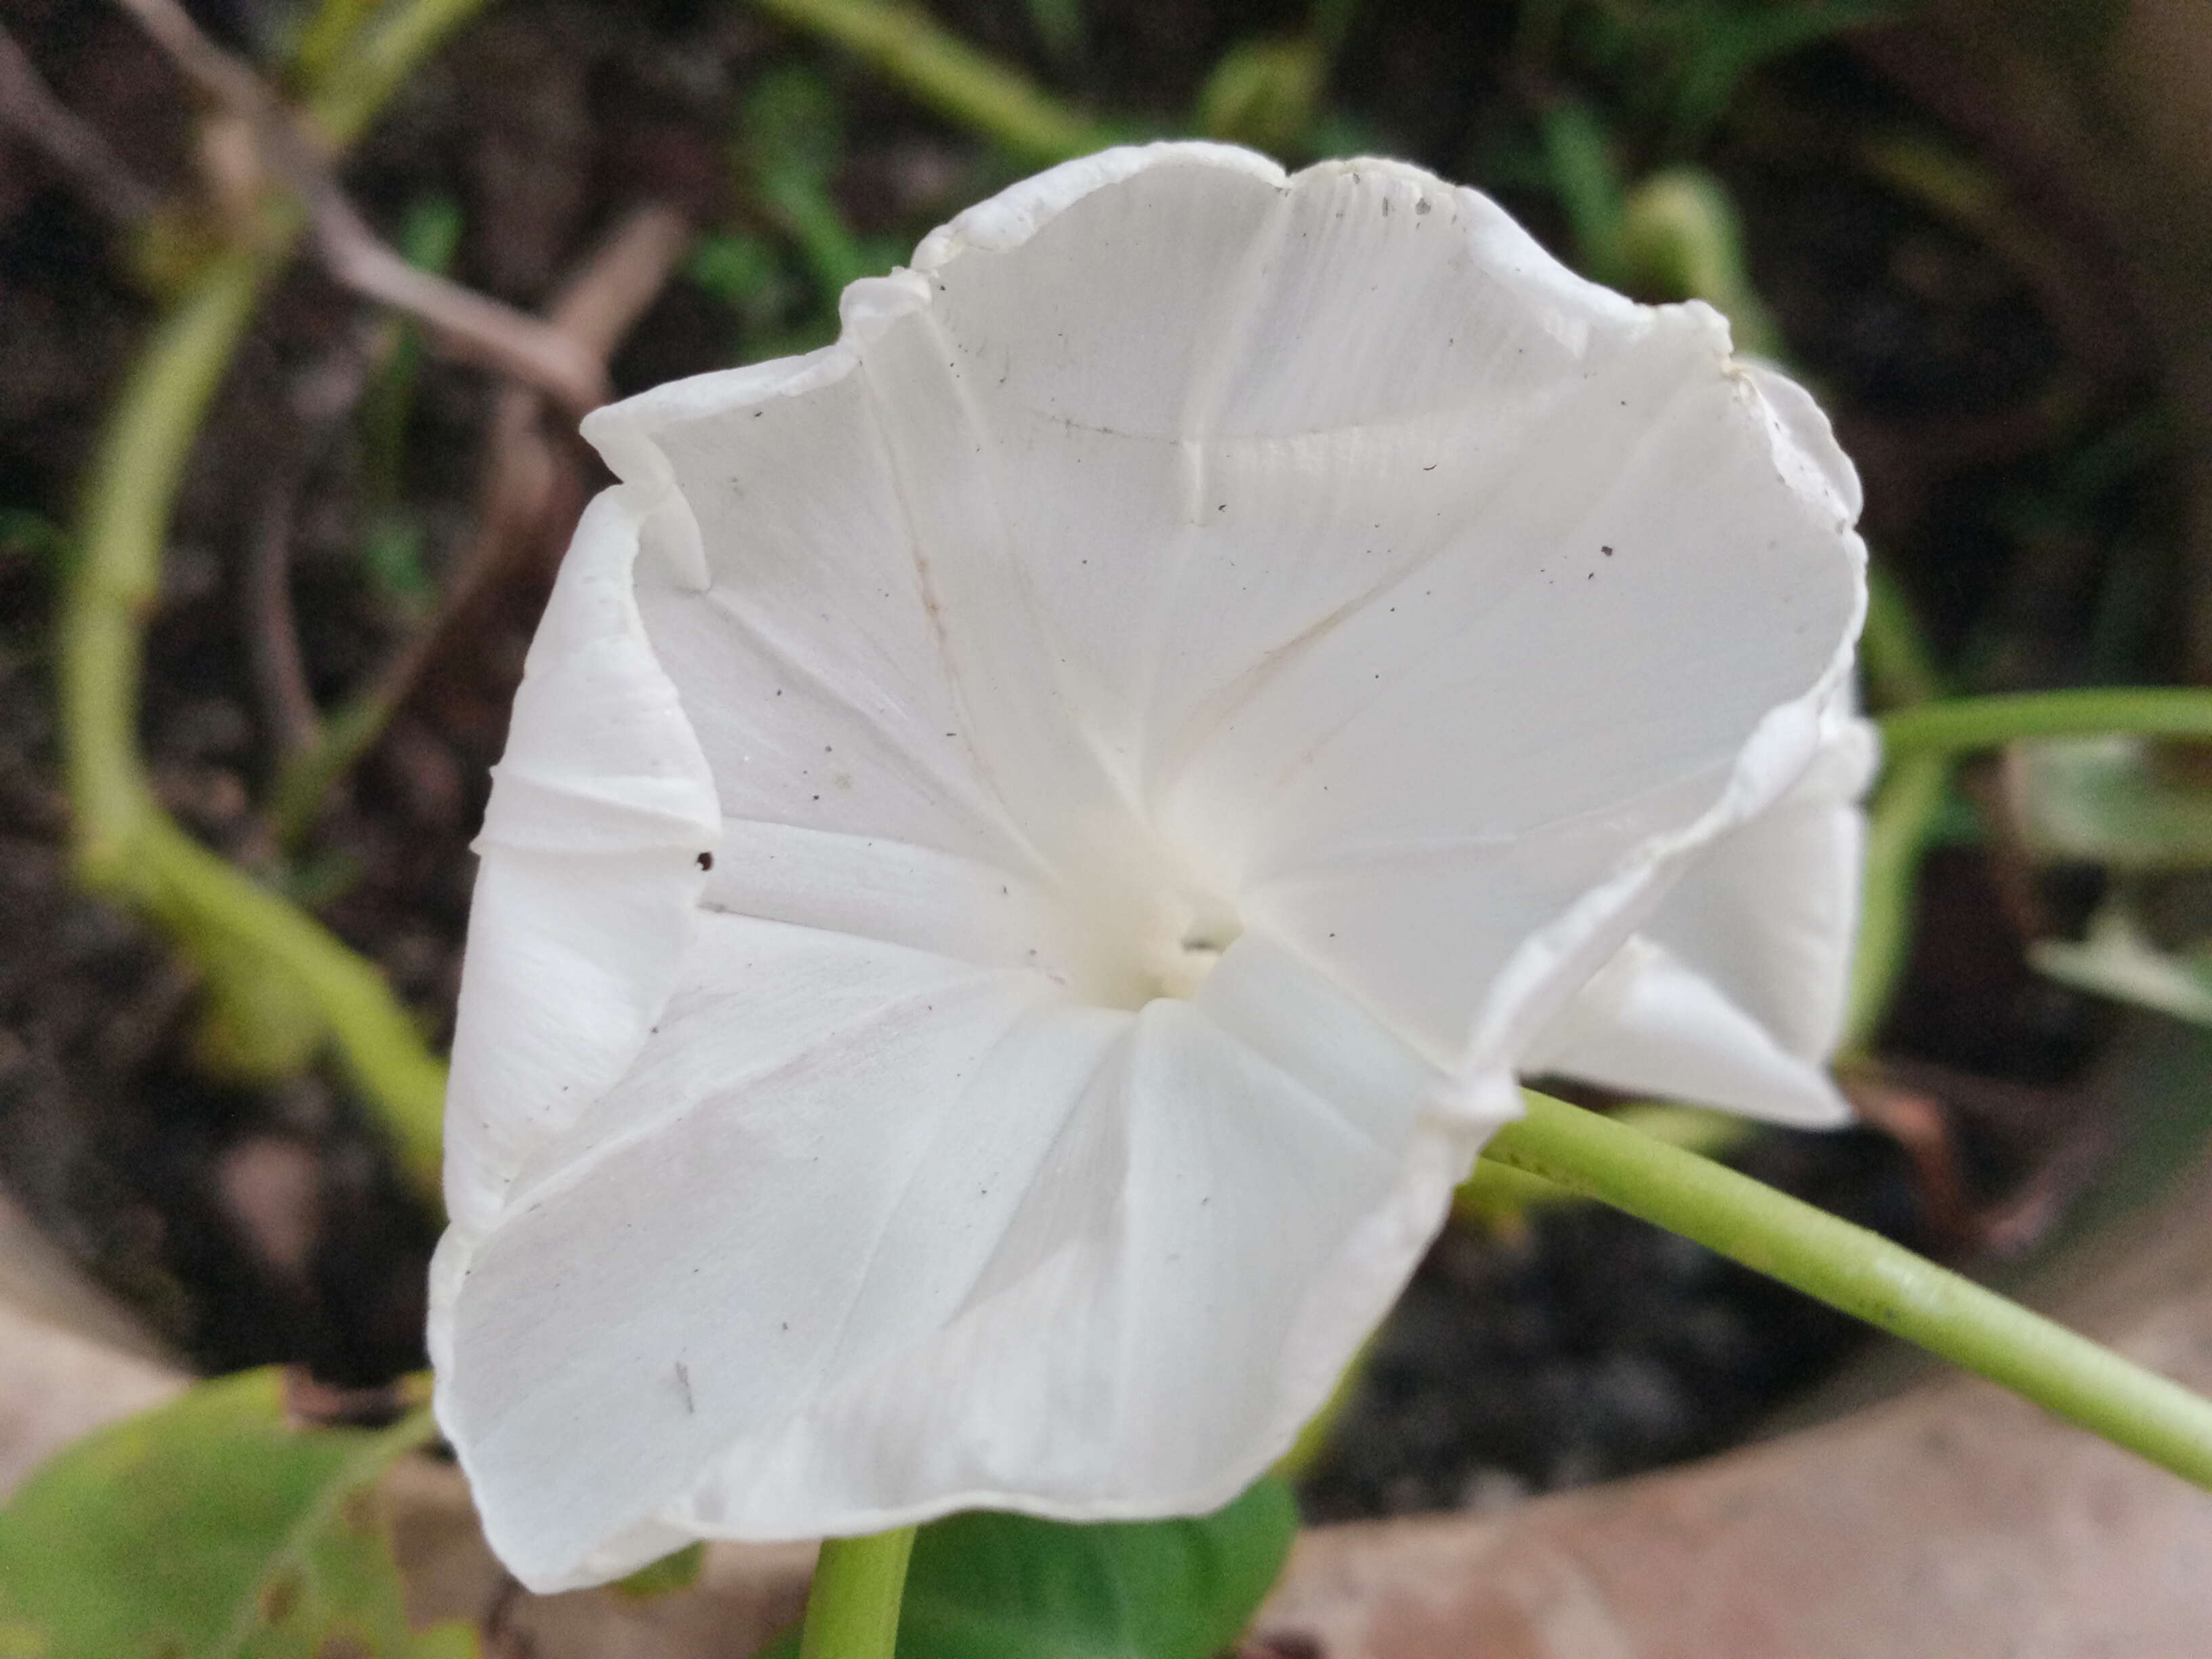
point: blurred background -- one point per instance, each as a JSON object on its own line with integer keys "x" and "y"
{"x": 299, "y": 300}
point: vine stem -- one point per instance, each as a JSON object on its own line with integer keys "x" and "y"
{"x": 278, "y": 980}
{"x": 950, "y": 75}
{"x": 853, "y": 1609}
{"x": 1897, "y": 826}
{"x": 1954, "y": 723}
{"x": 1866, "y": 1276}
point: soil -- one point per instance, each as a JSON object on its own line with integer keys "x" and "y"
{"x": 252, "y": 1224}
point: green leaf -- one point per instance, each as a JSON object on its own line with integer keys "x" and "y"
{"x": 1264, "y": 92}
{"x": 209, "y": 1528}
{"x": 2119, "y": 959}
{"x": 1578, "y": 155}
{"x": 679, "y": 1571}
{"x": 990, "y": 1586}
{"x": 2117, "y": 800}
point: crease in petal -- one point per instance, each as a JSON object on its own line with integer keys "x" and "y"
{"x": 1770, "y": 915}
{"x": 1547, "y": 968}
{"x": 1733, "y": 995}
{"x": 1191, "y": 1167}
{"x": 627, "y": 1311}
{"x": 1648, "y": 1024}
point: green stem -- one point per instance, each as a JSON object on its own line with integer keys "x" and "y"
{"x": 1866, "y": 1276}
{"x": 380, "y": 57}
{"x": 1900, "y": 667}
{"x": 115, "y": 580}
{"x": 1956, "y": 724}
{"x": 270, "y": 968}
{"x": 853, "y": 1610}
{"x": 326, "y": 37}
{"x": 950, "y": 75}
{"x": 296, "y": 796}
{"x": 1898, "y": 826}
{"x": 254, "y": 935}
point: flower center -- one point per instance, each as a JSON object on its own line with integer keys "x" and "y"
{"x": 1180, "y": 941}
{"x": 1145, "y": 917}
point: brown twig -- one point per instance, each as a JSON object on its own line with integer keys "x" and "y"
{"x": 320, "y": 400}
{"x": 521, "y": 502}
{"x": 1915, "y": 1120}
{"x": 595, "y": 308}
{"x": 280, "y": 669}
{"x": 73, "y": 145}
{"x": 469, "y": 325}
{"x": 2051, "y": 1139}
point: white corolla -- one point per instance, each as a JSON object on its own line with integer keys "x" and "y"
{"x": 1036, "y": 841}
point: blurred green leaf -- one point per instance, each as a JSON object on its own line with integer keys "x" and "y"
{"x": 1679, "y": 64}
{"x": 990, "y": 1586}
{"x": 746, "y": 273}
{"x": 1730, "y": 41}
{"x": 1059, "y": 26}
{"x": 677, "y": 1571}
{"x": 2119, "y": 959}
{"x": 209, "y": 1528}
{"x": 2118, "y": 801}
{"x": 32, "y": 536}
{"x": 792, "y": 137}
{"x": 392, "y": 559}
{"x": 430, "y": 236}
{"x": 1578, "y": 155}
{"x": 793, "y": 125}
{"x": 1265, "y": 92}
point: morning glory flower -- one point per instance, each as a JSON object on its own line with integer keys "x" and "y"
{"x": 1037, "y": 839}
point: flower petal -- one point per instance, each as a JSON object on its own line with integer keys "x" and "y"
{"x": 989, "y": 1247}
{"x": 1734, "y": 994}
{"x": 602, "y": 814}
{"x": 1596, "y": 676}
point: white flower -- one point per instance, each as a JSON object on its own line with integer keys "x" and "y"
{"x": 1036, "y": 840}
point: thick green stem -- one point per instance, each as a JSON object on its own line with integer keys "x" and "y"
{"x": 276, "y": 978}
{"x": 950, "y": 75}
{"x": 1866, "y": 1276}
{"x": 853, "y": 1611}
{"x": 245, "y": 932}
{"x": 1956, "y": 724}
{"x": 116, "y": 577}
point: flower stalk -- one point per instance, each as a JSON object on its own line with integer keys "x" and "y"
{"x": 853, "y": 1610}
{"x": 1866, "y": 1276}
{"x": 1962, "y": 723}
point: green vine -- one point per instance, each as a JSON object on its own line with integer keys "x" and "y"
{"x": 1957, "y": 724}
{"x": 992, "y": 99}
{"x": 278, "y": 984}
{"x": 1866, "y": 1276}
